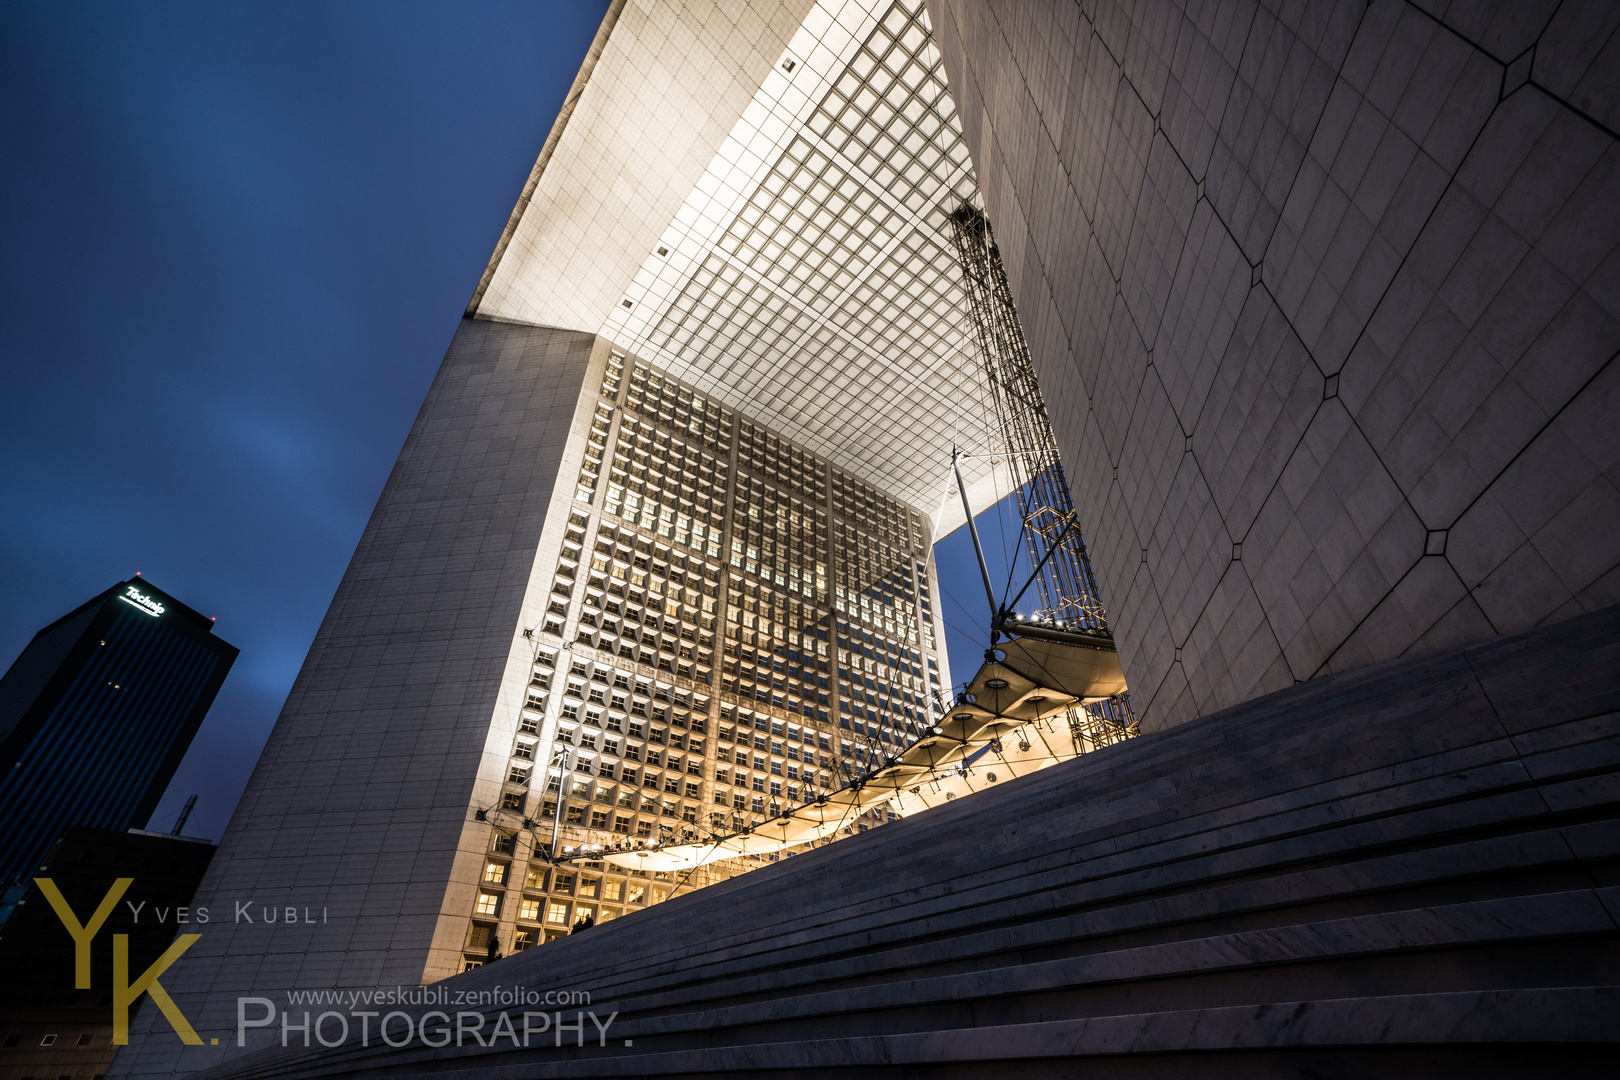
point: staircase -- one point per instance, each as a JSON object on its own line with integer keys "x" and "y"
{"x": 1410, "y": 869}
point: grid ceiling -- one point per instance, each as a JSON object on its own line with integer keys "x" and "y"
{"x": 808, "y": 281}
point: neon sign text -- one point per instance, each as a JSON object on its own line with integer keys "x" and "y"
{"x": 137, "y": 599}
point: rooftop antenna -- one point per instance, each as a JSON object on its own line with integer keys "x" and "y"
{"x": 180, "y": 822}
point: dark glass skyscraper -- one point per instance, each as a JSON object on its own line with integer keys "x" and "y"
{"x": 96, "y": 714}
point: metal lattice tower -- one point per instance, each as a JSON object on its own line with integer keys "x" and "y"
{"x": 1066, "y": 585}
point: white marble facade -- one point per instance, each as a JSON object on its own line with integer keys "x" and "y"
{"x": 1325, "y": 302}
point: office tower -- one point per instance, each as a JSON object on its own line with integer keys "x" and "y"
{"x": 51, "y": 1026}
{"x": 733, "y": 627}
{"x": 96, "y": 714}
{"x": 1264, "y": 260}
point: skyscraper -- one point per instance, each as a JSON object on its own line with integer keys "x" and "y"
{"x": 96, "y": 714}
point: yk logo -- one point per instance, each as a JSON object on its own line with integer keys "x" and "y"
{"x": 125, "y": 990}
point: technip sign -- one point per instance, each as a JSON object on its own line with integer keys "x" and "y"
{"x": 141, "y": 601}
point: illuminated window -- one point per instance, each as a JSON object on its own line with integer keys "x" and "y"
{"x": 488, "y": 904}
{"x": 495, "y": 873}
{"x": 556, "y": 913}
{"x": 529, "y": 909}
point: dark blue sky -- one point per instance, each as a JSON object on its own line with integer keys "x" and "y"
{"x": 961, "y": 585}
{"x": 238, "y": 238}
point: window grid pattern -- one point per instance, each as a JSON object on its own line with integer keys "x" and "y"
{"x": 778, "y": 460}
{"x": 668, "y": 486}
{"x": 613, "y": 376}
{"x": 665, "y": 401}
{"x": 875, "y": 584}
{"x": 776, "y": 650}
{"x": 590, "y": 472}
{"x": 630, "y": 738}
{"x": 767, "y": 759}
{"x": 649, "y": 603}
{"x": 638, "y": 704}
{"x": 779, "y": 538}
{"x": 883, "y": 694}
{"x": 864, "y": 506}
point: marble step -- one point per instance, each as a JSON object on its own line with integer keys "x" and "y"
{"x": 1541, "y": 1017}
{"x": 1417, "y": 863}
{"x": 865, "y": 939}
{"x": 1582, "y": 913}
{"x": 1247, "y": 904}
{"x": 1043, "y": 886}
